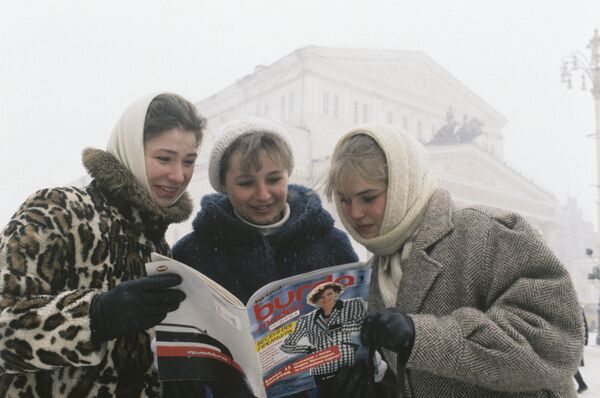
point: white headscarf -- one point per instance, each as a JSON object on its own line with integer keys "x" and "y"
{"x": 410, "y": 186}
{"x": 126, "y": 142}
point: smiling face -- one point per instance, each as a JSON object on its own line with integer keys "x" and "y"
{"x": 170, "y": 159}
{"x": 259, "y": 196}
{"x": 363, "y": 203}
{"x": 327, "y": 300}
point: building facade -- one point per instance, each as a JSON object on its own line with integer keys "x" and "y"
{"x": 317, "y": 93}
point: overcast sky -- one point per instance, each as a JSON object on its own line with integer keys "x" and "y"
{"x": 68, "y": 69}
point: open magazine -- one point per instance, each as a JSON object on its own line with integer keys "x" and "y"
{"x": 292, "y": 332}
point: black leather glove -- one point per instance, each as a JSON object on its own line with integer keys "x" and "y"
{"x": 134, "y": 306}
{"x": 389, "y": 328}
{"x": 354, "y": 382}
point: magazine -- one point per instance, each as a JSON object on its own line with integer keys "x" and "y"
{"x": 291, "y": 334}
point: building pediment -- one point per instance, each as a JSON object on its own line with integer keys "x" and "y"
{"x": 411, "y": 72}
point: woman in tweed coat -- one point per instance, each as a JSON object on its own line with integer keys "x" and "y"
{"x": 471, "y": 301}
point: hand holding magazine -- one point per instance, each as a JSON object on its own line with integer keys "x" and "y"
{"x": 291, "y": 333}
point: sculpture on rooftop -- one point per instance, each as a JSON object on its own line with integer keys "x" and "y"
{"x": 445, "y": 135}
{"x": 470, "y": 129}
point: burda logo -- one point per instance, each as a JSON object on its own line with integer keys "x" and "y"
{"x": 161, "y": 268}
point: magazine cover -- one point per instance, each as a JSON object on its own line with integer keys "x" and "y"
{"x": 306, "y": 330}
{"x": 291, "y": 334}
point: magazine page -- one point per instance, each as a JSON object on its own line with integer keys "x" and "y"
{"x": 208, "y": 337}
{"x": 308, "y": 326}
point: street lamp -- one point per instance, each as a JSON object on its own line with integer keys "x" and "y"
{"x": 588, "y": 69}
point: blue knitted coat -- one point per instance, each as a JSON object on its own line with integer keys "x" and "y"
{"x": 241, "y": 259}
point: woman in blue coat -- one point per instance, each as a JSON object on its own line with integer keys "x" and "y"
{"x": 257, "y": 228}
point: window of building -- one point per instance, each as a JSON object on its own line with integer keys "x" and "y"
{"x": 336, "y": 111}
{"x": 282, "y": 106}
{"x": 390, "y": 118}
{"x": 291, "y": 107}
{"x": 325, "y": 103}
{"x": 355, "y": 111}
{"x": 365, "y": 113}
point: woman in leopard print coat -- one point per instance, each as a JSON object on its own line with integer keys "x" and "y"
{"x": 65, "y": 246}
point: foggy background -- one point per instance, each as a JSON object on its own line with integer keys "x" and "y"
{"x": 68, "y": 69}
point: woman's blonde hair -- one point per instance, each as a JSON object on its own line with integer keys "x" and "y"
{"x": 358, "y": 155}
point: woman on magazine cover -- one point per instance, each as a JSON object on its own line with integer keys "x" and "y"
{"x": 471, "y": 301}
{"x": 334, "y": 323}
{"x": 257, "y": 228}
{"x": 76, "y": 304}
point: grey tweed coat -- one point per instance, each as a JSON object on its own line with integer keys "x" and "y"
{"x": 495, "y": 312}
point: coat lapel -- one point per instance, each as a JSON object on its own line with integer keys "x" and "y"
{"x": 319, "y": 323}
{"x": 419, "y": 271}
{"x": 335, "y": 315}
{"x": 417, "y": 277}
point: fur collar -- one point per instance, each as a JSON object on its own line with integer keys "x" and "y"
{"x": 121, "y": 184}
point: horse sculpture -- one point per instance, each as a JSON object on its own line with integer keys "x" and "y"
{"x": 449, "y": 134}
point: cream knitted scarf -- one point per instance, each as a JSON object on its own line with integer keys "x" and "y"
{"x": 410, "y": 186}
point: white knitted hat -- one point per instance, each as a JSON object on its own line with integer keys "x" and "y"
{"x": 230, "y": 132}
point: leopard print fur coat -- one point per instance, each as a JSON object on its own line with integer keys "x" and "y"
{"x": 62, "y": 247}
